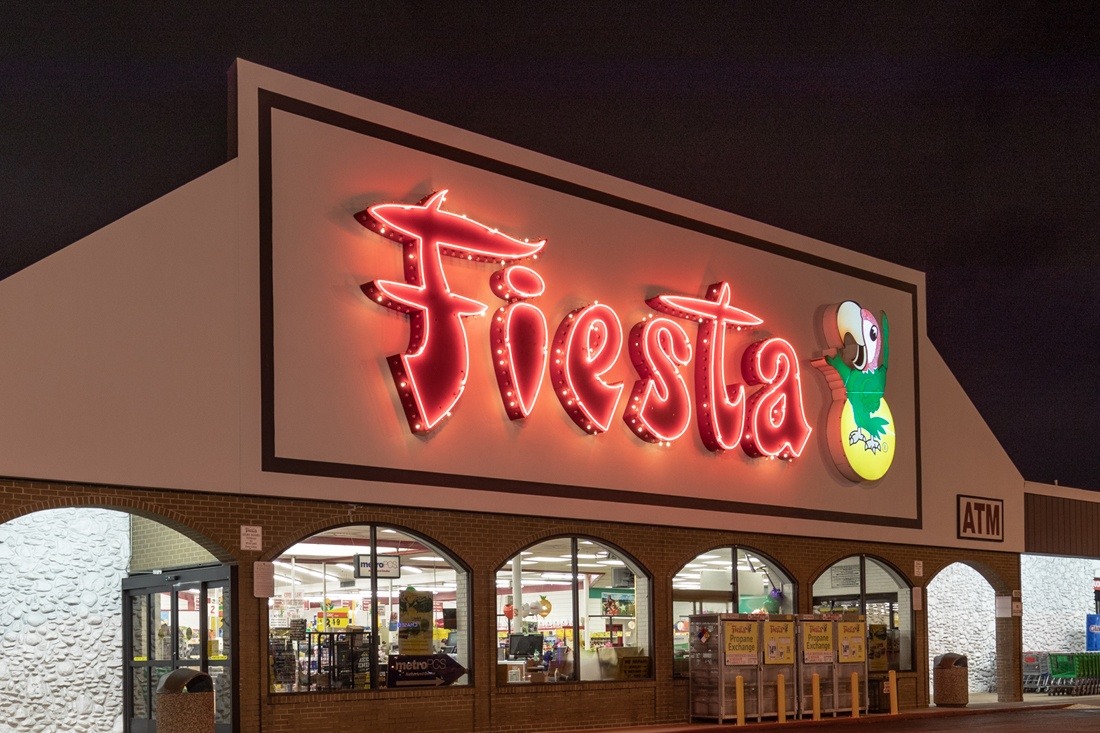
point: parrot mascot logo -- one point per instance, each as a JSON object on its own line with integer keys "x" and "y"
{"x": 861, "y": 427}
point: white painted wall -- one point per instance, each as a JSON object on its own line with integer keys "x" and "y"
{"x": 61, "y": 621}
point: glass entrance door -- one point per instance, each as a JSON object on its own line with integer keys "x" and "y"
{"x": 180, "y": 618}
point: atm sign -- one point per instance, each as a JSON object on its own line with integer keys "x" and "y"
{"x": 981, "y": 519}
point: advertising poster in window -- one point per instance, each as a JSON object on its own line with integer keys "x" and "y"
{"x": 817, "y": 642}
{"x": 414, "y": 625}
{"x": 878, "y": 646}
{"x": 852, "y": 635}
{"x": 778, "y": 642}
{"x": 617, "y": 604}
{"x": 742, "y": 643}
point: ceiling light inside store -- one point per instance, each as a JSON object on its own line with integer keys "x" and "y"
{"x": 285, "y": 579}
{"x": 307, "y": 571}
{"x": 560, "y": 576}
{"x": 321, "y": 549}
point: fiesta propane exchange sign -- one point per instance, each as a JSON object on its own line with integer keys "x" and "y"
{"x": 520, "y": 334}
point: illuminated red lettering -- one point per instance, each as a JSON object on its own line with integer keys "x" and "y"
{"x": 720, "y": 413}
{"x": 586, "y": 347}
{"x": 431, "y": 374}
{"x": 777, "y": 424}
{"x": 519, "y": 339}
{"x": 659, "y": 409}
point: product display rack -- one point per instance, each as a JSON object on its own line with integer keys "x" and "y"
{"x": 338, "y": 660}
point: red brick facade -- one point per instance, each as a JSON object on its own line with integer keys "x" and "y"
{"x": 484, "y": 542}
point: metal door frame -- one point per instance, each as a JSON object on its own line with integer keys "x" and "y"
{"x": 147, "y": 585}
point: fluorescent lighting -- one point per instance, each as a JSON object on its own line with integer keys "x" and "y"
{"x": 307, "y": 571}
{"x": 285, "y": 579}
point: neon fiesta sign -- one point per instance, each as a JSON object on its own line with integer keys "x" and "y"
{"x": 430, "y": 377}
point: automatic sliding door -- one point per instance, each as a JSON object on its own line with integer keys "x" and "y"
{"x": 183, "y": 619}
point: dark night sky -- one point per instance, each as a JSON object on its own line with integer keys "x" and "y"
{"x": 962, "y": 140}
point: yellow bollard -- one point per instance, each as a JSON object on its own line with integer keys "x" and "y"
{"x": 817, "y": 696}
{"x": 892, "y": 680}
{"x": 781, "y": 697}
{"x": 740, "y": 700}
{"x": 855, "y": 694}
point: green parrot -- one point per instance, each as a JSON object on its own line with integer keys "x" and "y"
{"x": 865, "y": 380}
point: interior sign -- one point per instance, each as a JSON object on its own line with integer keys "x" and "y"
{"x": 980, "y": 518}
{"x": 384, "y": 566}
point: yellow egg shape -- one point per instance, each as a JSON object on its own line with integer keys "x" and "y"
{"x": 868, "y": 458}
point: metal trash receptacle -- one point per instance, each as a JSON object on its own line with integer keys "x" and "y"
{"x": 185, "y": 702}
{"x": 950, "y": 680}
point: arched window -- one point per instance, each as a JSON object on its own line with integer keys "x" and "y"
{"x": 572, "y": 608}
{"x": 866, "y": 585}
{"x": 354, "y": 606}
{"x": 727, "y": 580}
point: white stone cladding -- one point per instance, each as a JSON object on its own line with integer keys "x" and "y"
{"x": 1057, "y": 595}
{"x": 61, "y": 621}
{"x": 962, "y": 619}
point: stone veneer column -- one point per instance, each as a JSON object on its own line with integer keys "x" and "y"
{"x": 61, "y": 621}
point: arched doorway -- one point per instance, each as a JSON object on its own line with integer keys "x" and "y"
{"x": 962, "y": 620}
{"x": 64, "y": 618}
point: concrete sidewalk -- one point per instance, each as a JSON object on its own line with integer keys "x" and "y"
{"x": 979, "y": 703}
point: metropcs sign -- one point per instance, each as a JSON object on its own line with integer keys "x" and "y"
{"x": 762, "y": 412}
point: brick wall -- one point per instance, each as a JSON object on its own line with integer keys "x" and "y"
{"x": 214, "y": 521}
{"x": 154, "y": 546}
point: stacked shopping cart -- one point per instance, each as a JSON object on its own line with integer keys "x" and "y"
{"x": 1071, "y": 673}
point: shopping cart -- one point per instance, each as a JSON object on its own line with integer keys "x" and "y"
{"x": 1074, "y": 673}
{"x": 1063, "y": 674}
{"x": 1086, "y": 667}
{"x": 1036, "y": 671}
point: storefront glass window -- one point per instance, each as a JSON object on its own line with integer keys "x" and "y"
{"x": 867, "y": 586}
{"x": 368, "y": 607}
{"x": 572, "y": 608}
{"x": 726, "y": 580}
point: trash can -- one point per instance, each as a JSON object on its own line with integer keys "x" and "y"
{"x": 950, "y": 679}
{"x": 185, "y": 702}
